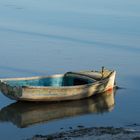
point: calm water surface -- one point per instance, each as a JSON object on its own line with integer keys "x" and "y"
{"x": 46, "y": 37}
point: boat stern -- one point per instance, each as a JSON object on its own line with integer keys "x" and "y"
{"x": 12, "y": 92}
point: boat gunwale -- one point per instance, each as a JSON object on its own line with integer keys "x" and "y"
{"x": 96, "y": 82}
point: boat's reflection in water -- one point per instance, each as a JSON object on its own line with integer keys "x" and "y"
{"x": 24, "y": 114}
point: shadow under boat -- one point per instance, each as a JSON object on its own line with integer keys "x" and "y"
{"x": 24, "y": 114}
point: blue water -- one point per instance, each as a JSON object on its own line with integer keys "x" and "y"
{"x": 48, "y": 37}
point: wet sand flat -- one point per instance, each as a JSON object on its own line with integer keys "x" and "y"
{"x": 100, "y": 133}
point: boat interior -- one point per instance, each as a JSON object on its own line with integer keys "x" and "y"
{"x": 67, "y": 79}
{"x": 55, "y": 81}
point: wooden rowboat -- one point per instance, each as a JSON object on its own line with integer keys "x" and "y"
{"x": 60, "y": 87}
{"x": 25, "y": 114}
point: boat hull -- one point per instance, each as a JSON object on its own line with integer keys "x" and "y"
{"x": 50, "y": 93}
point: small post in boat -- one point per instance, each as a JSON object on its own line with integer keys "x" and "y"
{"x": 102, "y": 71}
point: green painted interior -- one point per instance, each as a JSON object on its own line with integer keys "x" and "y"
{"x": 56, "y": 82}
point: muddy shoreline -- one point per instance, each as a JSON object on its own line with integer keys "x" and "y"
{"x": 96, "y": 133}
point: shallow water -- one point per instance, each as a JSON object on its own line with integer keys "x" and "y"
{"x": 46, "y": 37}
